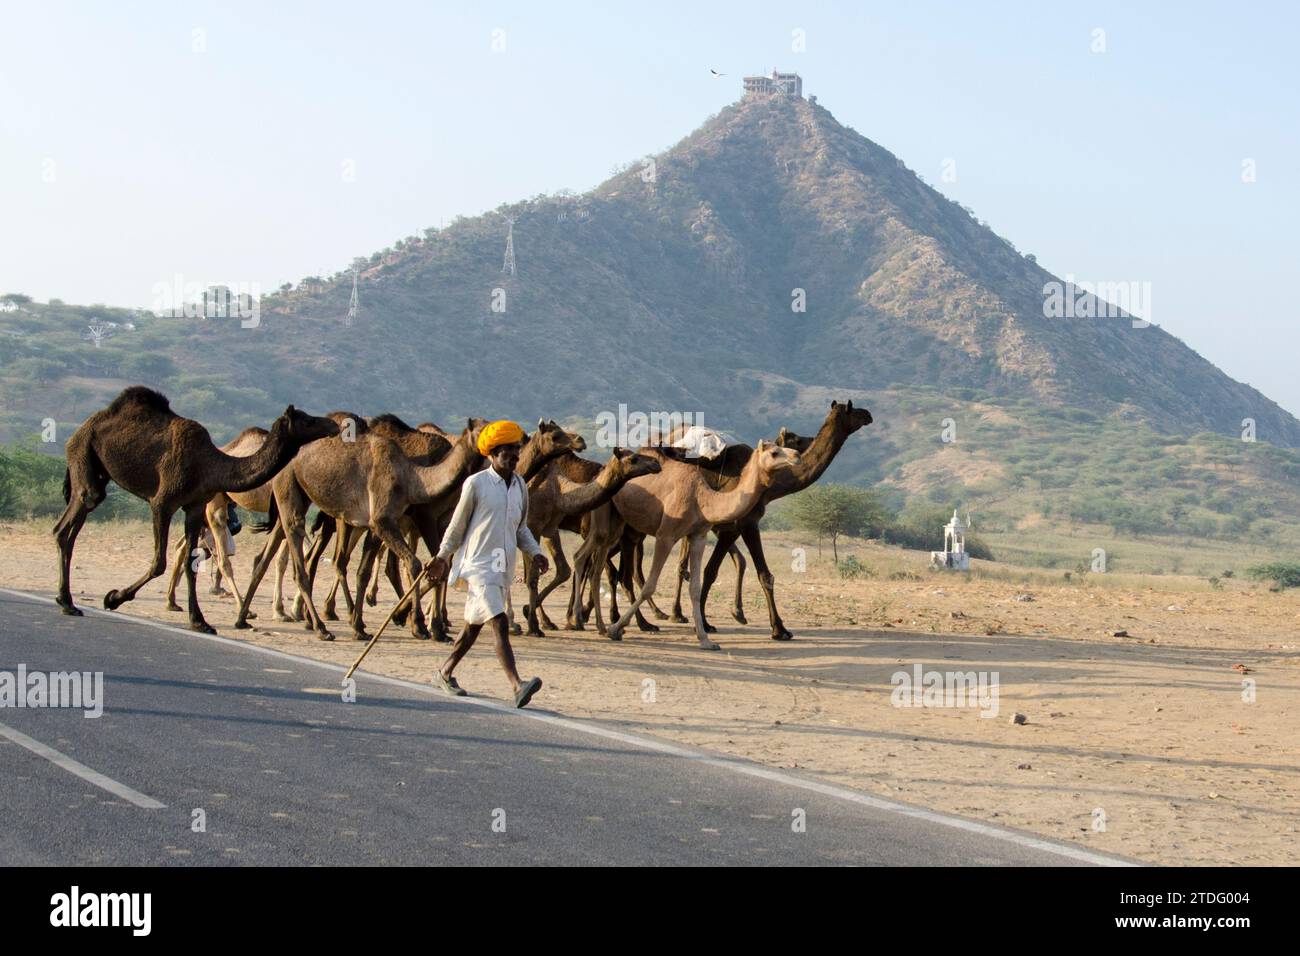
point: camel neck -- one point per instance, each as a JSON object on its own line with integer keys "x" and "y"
{"x": 812, "y": 463}
{"x": 592, "y": 494}
{"x": 235, "y": 474}
{"x": 448, "y": 474}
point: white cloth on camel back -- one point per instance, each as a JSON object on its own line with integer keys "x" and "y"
{"x": 700, "y": 442}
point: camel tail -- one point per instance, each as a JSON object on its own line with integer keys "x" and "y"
{"x": 272, "y": 516}
{"x": 67, "y": 486}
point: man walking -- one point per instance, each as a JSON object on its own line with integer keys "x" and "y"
{"x": 490, "y": 521}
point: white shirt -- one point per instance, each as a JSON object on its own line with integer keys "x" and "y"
{"x": 489, "y": 522}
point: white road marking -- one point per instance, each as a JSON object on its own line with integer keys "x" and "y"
{"x": 649, "y": 743}
{"x": 81, "y": 770}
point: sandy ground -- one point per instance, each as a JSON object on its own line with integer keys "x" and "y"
{"x": 1141, "y": 745}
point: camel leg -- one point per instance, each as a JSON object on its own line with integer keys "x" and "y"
{"x": 260, "y": 565}
{"x": 592, "y": 585}
{"x": 295, "y": 531}
{"x": 389, "y": 532}
{"x": 346, "y": 542}
{"x": 737, "y": 602}
{"x": 639, "y": 579}
{"x": 726, "y": 543}
{"x": 393, "y": 571}
{"x": 88, "y": 488}
{"x": 369, "y": 551}
{"x": 612, "y": 571}
{"x": 161, "y": 522}
{"x": 663, "y": 547}
{"x": 630, "y": 570}
{"x": 426, "y": 529}
{"x": 562, "y": 572}
{"x": 179, "y": 557}
{"x": 583, "y": 558}
{"x": 349, "y": 538}
{"x": 754, "y": 541}
{"x": 194, "y": 521}
{"x": 683, "y": 575}
{"x": 327, "y": 531}
{"x": 372, "y": 596}
{"x": 530, "y": 609}
{"x": 614, "y": 576}
{"x": 699, "y": 543}
{"x": 217, "y": 517}
{"x": 277, "y": 595}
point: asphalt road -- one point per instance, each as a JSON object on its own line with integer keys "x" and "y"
{"x": 286, "y": 772}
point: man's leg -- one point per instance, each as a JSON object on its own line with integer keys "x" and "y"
{"x": 505, "y": 653}
{"x": 466, "y": 639}
{"x": 524, "y": 690}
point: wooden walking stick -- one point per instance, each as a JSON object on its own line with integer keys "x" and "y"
{"x": 405, "y": 597}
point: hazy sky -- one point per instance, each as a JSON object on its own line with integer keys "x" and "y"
{"x": 214, "y": 140}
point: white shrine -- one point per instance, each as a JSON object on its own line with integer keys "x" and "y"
{"x": 953, "y": 556}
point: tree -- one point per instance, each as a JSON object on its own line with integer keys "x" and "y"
{"x": 834, "y": 510}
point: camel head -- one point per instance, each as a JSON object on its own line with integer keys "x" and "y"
{"x": 788, "y": 439}
{"x": 771, "y": 457}
{"x": 300, "y": 428}
{"x": 848, "y": 417}
{"x": 473, "y": 428}
{"x": 554, "y": 441}
{"x": 634, "y": 465}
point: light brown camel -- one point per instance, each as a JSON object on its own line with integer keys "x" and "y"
{"x": 614, "y": 537}
{"x": 170, "y": 462}
{"x": 679, "y": 503}
{"x": 841, "y": 422}
{"x": 256, "y": 500}
{"x": 562, "y": 492}
{"x": 366, "y": 483}
{"x": 721, "y": 472}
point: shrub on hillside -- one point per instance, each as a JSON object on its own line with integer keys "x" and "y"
{"x": 1284, "y": 574}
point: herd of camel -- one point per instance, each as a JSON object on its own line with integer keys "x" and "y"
{"x": 387, "y": 486}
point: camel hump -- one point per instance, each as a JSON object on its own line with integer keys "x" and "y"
{"x": 140, "y": 395}
{"x": 388, "y": 418}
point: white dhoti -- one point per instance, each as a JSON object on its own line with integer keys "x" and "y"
{"x": 485, "y": 601}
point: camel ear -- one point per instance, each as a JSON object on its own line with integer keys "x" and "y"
{"x": 781, "y": 436}
{"x": 469, "y": 423}
{"x": 541, "y": 423}
{"x": 764, "y": 445}
{"x": 288, "y": 412}
{"x": 621, "y": 452}
{"x": 850, "y": 405}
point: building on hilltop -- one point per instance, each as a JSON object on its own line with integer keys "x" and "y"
{"x": 775, "y": 83}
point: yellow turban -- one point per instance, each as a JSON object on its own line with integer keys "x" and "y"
{"x": 499, "y": 433}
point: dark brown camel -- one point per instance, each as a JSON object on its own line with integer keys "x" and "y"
{"x": 170, "y": 462}
{"x": 842, "y": 421}
{"x": 721, "y": 472}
